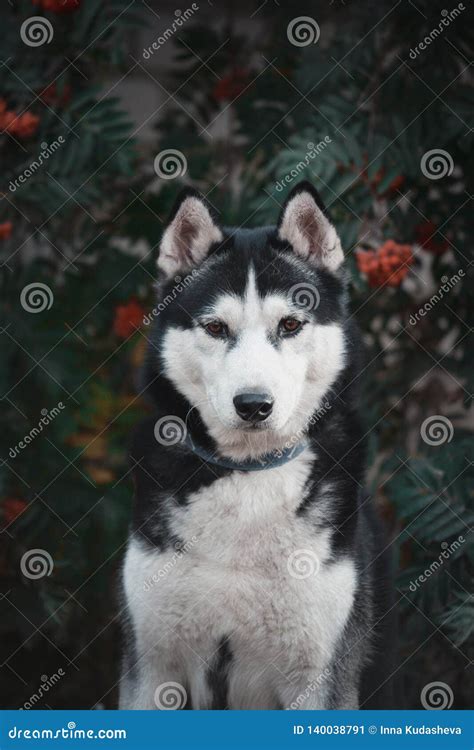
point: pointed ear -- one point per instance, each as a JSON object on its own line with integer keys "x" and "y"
{"x": 304, "y": 224}
{"x": 190, "y": 233}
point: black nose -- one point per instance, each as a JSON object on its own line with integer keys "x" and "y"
{"x": 253, "y": 407}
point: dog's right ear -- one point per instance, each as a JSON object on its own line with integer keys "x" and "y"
{"x": 305, "y": 226}
{"x": 189, "y": 236}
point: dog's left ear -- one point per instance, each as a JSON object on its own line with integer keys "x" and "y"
{"x": 305, "y": 226}
{"x": 190, "y": 233}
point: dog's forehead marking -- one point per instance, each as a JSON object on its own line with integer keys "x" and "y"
{"x": 252, "y": 309}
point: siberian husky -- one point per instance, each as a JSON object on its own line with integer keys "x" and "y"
{"x": 255, "y": 575}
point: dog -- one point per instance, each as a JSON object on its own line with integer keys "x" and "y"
{"x": 255, "y": 575}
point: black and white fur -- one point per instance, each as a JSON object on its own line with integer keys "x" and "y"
{"x": 254, "y": 589}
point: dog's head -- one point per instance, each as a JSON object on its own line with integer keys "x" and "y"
{"x": 250, "y": 326}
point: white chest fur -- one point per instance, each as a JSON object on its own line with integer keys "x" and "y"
{"x": 253, "y": 572}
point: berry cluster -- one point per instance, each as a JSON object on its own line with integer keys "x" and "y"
{"x": 389, "y": 264}
{"x": 128, "y": 318}
{"x": 5, "y": 230}
{"x": 22, "y": 126}
{"x": 58, "y": 6}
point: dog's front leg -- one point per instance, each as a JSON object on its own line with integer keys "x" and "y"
{"x": 150, "y": 687}
{"x": 137, "y": 690}
{"x": 308, "y": 691}
{"x": 314, "y": 692}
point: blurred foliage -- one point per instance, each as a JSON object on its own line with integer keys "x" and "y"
{"x": 87, "y": 224}
{"x": 68, "y": 491}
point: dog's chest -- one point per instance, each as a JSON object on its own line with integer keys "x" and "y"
{"x": 252, "y": 570}
{"x": 246, "y": 521}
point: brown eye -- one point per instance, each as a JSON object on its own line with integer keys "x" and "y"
{"x": 216, "y": 328}
{"x": 290, "y": 325}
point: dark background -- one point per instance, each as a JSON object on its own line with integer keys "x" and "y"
{"x": 240, "y": 101}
